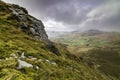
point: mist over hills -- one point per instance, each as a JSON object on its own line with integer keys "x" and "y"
{"x": 69, "y": 15}
{"x": 99, "y": 47}
{"x": 53, "y": 34}
{"x": 26, "y": 53}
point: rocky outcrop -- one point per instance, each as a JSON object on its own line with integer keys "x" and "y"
{"x": 28, "y": 24}
{"x": 31, "y": 26}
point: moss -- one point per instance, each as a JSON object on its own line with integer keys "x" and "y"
{"x": 51, "y": 66}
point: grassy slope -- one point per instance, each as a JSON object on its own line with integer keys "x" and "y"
{"x": 108, "y": 59}
{"x": 103, "y": 50}
{"x": 51, "y": 67}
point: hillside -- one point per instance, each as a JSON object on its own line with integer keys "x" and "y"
{"x": 89, "y": 39}
{"x": 26, "y": 53}
{"x": 99, "y": 47}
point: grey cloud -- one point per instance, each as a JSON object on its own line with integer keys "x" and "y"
{"x": 66, "y": 11}
{"x": 73, "y": 14}
{"x": 105, "y": 17}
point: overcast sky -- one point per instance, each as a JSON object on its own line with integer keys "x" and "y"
{"x": 67, "y": 15}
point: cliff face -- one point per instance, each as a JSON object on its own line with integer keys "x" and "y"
{"x": 28, "y": 23}
{"x": 24, "y": 58}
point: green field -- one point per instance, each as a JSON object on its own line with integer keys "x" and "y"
{"x": 101, "y": 50}
{"x": 44, "y": 64}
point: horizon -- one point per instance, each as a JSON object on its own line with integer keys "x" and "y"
{"x": 76, "y": 15}
{"x": 59, "y": 40}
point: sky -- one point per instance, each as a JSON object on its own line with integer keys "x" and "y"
{"x": 70, "y": 15}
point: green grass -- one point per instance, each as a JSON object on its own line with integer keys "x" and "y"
{"x": 108, "y": 59}
{"x": 102, "y": 50}
{"x": 51, "y": 66}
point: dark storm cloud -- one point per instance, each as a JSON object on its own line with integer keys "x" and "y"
{"x": 106, "y": 16}
{"x": 66, "y": 11}
{"x": 75, "y": 14}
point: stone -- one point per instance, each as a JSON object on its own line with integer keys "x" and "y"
{"x": 28, "y": 23}
{"x": 31, "y": 26}
{"x": 23, "y": 64}
{"x": 32, "y": 30}
{"x": 14, "y": 55}
{"x": 37, "y": 67}
{"x": 23, "y": 55}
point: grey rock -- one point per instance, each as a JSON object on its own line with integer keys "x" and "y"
{"x": 14, "y": 55}
{"x": 32, "y": 30}
{"x": 31, "y": 26}
{"x": 28, "y": 23}
{"x": 23, "y": 55}
{"x": 23, "y": 64}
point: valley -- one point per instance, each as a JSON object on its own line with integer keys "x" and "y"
{"x": 99, "y": 47}
{"x": 27, "y": 53}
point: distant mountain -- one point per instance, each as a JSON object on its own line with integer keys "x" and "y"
{"x": 99, "y": 47}
{"x": 92, "y": 32}
{"x": 92, "y": 37}
{"x": 26, "y": 53}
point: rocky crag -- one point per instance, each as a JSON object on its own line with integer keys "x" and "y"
{"x": 26, "y": 53}
{"x": 28, "y": 23}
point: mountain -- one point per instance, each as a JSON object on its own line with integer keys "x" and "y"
{"x": 27, "y": 23}
{"x": 26, "y": 53}
{"x": 99, "y": 47}
{"x": 92, "y": 32}
{"x": 94, "y": 38}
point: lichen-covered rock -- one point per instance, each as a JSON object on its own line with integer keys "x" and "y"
{"x": 28, "y": 23}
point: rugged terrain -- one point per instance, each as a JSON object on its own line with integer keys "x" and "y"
{"x": 26, "y": 53}
{"x": 99, "y": 47}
